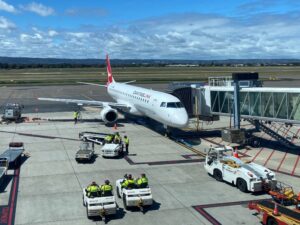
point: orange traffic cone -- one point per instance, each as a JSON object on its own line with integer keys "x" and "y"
{"x": 235, "y": 153}
{"x": 115, "y": 127}
{"x": 275, "y": 211}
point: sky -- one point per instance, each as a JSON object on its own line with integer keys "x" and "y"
{"x": 156, "y": 29}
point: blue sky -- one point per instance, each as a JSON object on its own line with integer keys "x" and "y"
{"x": 177, "y": 29}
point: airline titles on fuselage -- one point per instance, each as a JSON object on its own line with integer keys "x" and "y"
{"x": 141, "y": 94}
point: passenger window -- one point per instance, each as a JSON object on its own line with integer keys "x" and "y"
{"x": 163, "y": 104}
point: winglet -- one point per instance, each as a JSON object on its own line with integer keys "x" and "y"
{"x": 110, "y": 78}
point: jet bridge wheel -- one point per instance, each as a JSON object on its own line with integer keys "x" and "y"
{"x": 218, "y": 175}
{"x": 242, "y": 185}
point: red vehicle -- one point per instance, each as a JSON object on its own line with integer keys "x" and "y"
{"x": 274, "y": 214}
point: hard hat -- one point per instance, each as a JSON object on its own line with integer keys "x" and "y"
{"x": 93, "y": 183}
{"x": 129, "y": 176}
{"x": 125, "y": 136}
{"x": 143, "y": 175}
{"x": 106, "y": 181}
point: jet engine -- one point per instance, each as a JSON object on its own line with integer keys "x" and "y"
{"x": 109, "y": 115}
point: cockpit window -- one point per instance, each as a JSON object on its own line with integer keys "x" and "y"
{"x": 174, "y": 105}
{"x": 163, "y": 104}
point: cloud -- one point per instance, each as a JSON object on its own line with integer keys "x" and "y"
{"x": 6, "y": 24}
{"x": 39, "y": 9}
{"x": 177, "y": 36}
{"x": 52, "y": 33}
{"x": 7, "y": 7}
{"x": 96, "y": 12}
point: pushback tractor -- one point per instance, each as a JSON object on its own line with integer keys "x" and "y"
{"x": 245, "y": 175}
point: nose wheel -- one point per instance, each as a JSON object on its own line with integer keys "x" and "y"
{"x": 167, "y": 131}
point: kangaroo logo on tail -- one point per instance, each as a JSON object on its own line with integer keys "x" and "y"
{"x": 110, "y": 78}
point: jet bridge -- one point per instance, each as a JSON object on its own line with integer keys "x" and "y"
{"x": 261, "y": 103}
{"x": 256, "y": 104}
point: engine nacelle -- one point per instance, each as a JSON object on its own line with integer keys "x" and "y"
{"x": 109, "y": 115}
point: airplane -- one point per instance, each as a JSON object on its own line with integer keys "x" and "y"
{"x": 162, "y": 107}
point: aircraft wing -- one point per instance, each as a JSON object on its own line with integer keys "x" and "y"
{"x": 89, "y": 102}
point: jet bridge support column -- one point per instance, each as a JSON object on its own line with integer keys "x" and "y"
{"x": 236, "y": 96}
{"x": 237, "y": 77}
{"x": 236, "y": 135}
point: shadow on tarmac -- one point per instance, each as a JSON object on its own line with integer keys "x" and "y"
{"x": 119, "y": 215}
{"x": 5, "y": 180}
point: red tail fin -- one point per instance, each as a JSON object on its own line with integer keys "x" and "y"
{"x": 110, "y": 78}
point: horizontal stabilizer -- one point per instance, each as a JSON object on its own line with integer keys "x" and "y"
{"x": 129, "y": 82}
{"x": 100, "y": 85}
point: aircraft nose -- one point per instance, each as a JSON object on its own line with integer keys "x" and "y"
{"x": 180, "y": 119}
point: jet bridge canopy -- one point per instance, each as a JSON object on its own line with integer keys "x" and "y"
{"x": 277, "y": 104}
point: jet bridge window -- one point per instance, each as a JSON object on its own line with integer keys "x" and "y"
{"x": 174, "y": 105}
{"x": 163, "y": 104}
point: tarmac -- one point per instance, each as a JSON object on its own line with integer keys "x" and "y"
{"x": 47, "y": 188}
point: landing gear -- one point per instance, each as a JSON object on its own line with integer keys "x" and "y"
{"x": 167, "y": 131}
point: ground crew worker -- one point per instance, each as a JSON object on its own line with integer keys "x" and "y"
{"x": 92, "y": 190}
{"x": 76, "y": 114}
{"x": 109, "y": 138}
{"x": 129, "y": 182}
{"x": 126, "y": 141}
{"x": 117, "y": 138}
{"x": 142, "y": 182}
{"x": 106, "y": 188}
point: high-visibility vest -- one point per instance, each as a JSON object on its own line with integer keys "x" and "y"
{"x": 128, "y": 183}
{"x": 126, "y": 140}
{"x": 142, "y": 180}
{"x": 117, "y": 138}
{"x": 106, "y": 187}
{"x": 92, "y": 188}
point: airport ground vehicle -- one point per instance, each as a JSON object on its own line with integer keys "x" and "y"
{"x": 283, "y": 194}
{"x": 12, "y": 111}
{"x": 86, "y": 152}
{"x": 98, "y": 205}
{"x": 13, "y": 154}
{"x": 135, "y": 197}
{"x": 112, "y": 150}
{"x": 270, "y": 215}
{"x": 97, "y": 138}
{"x": 247, "y": 176}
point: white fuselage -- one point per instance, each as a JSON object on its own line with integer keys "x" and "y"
{"x": 162, "y": 107}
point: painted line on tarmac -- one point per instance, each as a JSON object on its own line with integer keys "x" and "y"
{"x": 201, "y": 209}
{"x": 39, "y": 136}
{"x": 4, "y": 212}
{"x": 168, "y": 162}
{"x": 278, "y": 168}
{"x": 8, "y": 212}
{"x": 286, "y": 173}
{"x": 269, "y": 157}
{"x": 13, "y": 198}
{"x": 281, "y": 162}
{"x": 295, "y": 166}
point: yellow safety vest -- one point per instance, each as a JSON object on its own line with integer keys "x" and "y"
{"x": 143, "y": 180}
{"x": 126, "y": 140}
{"x": 106, "y": 187}
{"x": 129, "y": 183}
{"x": 92, "y": 188}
